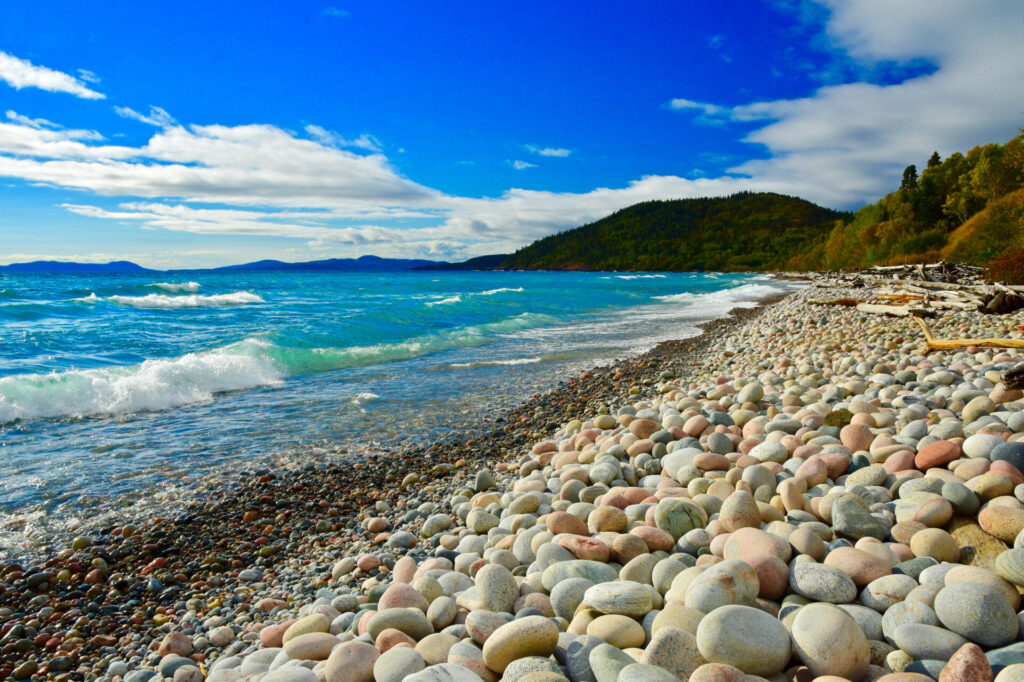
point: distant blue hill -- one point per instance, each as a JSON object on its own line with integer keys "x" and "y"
{"x": 53, "y": 266}
{"x": 361, "y": 264}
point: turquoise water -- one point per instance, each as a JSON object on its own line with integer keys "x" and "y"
{"x": 119, "y": 390}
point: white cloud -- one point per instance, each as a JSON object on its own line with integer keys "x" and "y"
{"x": 332, "y": 139}
{"x": 21, "y": 73}
{"x": 38, "y": 123}
{"x": 680, "y": 104}
{"x": 40, "y": 138}
{"x": 846, "y": 144}
{"x": 523, "y": 165}
{"x": 157, "y": 117}
{"x": 88, "y": 76}
{"x": 558, "y": 152}
{"x": 251, "y": 165}
{"x": 708, "y": 114}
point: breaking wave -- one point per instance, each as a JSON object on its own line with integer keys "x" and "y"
{"x": 160, "y": 384}
{"x": 177, "y": 287}
{"x": 190, "y": 301}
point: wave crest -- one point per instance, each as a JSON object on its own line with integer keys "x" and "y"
{"x": 176, "y": 287}
{"x": 155, "y": 384}
{"x": 445, "y": 301}
{"x": 497, "y": 363}
{"x": 744, "y": 292}
{"x": 151, "y": 301}
{"x": 491, "y": 292}
{"x": 457, "y": 298}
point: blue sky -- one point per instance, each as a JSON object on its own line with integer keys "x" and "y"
{"x": 202, "y": 134}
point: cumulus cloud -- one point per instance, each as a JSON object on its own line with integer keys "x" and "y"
{"x": 244, "y": 165}
{"x": 846, "y": 144}
{"x": 25, "y": 137}
{"x": 558, "y": 152}
{"x": 21, "y": 73}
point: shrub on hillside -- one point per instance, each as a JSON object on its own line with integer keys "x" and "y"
{"x": 1009, "y": 267}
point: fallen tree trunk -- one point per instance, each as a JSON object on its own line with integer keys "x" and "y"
{"x": 894, "y": 310}
{"x": 953, "y": 344}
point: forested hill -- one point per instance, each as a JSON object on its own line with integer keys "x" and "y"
{"x": 968, "y": 207}
{"x": 745, "y": 231}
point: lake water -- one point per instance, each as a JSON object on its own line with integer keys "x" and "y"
{"x": 119, "y": 390}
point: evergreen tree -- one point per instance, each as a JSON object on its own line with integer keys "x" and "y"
{"x": 934, "y": 160}
{"x": 909, "y": 183}
{"x": 927, "y": 202}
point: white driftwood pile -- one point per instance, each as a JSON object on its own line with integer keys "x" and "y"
{"x": 940, "y": 273}
{"x": 921, "y": 290}
{"x": 949, "y": 273}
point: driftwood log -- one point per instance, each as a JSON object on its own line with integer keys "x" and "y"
{"x": 952, "y": 344}
{"x": 1000, "y": 300}
{"x": 895, "y": 310}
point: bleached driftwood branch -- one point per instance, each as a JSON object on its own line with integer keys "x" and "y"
{"x": 952, "y": 344}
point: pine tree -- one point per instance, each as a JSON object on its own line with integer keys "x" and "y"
{"x": 909, "y": 183}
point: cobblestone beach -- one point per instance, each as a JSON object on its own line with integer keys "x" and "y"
{"x": 799, "y": 493}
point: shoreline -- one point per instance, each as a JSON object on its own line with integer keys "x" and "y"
{"x": 200, "y": 520}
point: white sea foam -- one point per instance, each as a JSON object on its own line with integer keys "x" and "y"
{"x": 496, "y": 363}
{"x": 364, "y": 397}
{"x": 743, "y": 293}
{"x": 639, "y": 276}
{"x": 446, "y": 301}
{"x": 491, "y": 292}
{"x": 160, "y": 384}
{"x": 189, "y": 301}
{"x": 177, "y": 287}
{"x": 457, "y": 298}
{"x": 673, "y": 316}
{"x": 91, "y": 298}
{"x": 155, "y": 384}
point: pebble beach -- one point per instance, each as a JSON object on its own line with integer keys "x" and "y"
{"x": 799, "y": 493}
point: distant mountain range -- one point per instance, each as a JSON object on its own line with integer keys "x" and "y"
{"x": 53, "y": 266}
{"x": 491, "y": 262}
{"x": 361, "y": 264}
